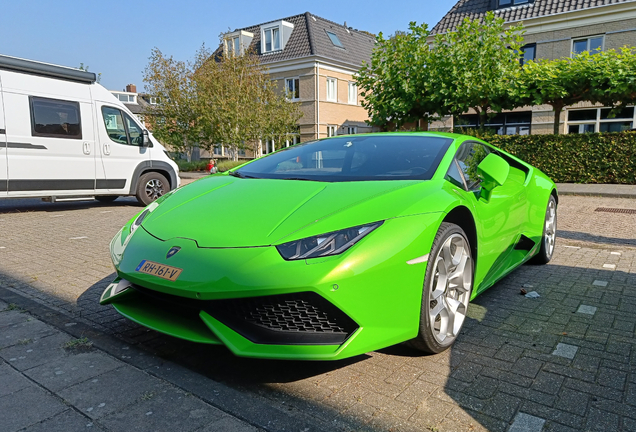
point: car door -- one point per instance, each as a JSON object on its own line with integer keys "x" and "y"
{"x": 120, "y": 141}
{"x": 3, "y": 149}
{"x": 498, "y": 220}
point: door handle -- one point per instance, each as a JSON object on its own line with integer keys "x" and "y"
{"x": 106, "y": 149}
{"x": 87, "y": 148}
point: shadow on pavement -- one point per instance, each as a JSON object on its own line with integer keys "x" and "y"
{"x": 20, "y": 205}
{"x": 574, "y": 235}
{"x": 503, "y": 363}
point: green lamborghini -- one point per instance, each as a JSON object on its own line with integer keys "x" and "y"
{"x": 335, "y": 247}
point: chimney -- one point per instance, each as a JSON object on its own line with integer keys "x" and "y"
{"x": 131, "y": 88}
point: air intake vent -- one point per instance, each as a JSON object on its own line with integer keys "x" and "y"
{"x": 290, "y": 319}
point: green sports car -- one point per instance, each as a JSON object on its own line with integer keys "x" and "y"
{"x": 336, "y": 247}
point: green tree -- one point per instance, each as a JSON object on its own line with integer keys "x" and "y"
{"x": 85, "y": 68}
{"x": 242, "y": 105}
{"x": 474, "y": 67}
{"x": 605, "y": 77}
{"x": 178, "y": 120}
{"x": 395, "y": 86}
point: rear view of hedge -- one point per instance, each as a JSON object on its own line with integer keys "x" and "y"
{"x": 576, "y": 158}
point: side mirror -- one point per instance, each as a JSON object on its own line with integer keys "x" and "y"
{"x": 145, "y": 139}
{"x": 493, "y": 171}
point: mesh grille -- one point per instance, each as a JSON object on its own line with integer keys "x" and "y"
{"x": 286, "y": 315}
{"x": 298, "y": 318}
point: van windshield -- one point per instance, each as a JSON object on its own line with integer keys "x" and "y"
{"x": 353, "y": 158}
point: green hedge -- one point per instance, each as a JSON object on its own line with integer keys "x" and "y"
{"x": 576, "y": 158}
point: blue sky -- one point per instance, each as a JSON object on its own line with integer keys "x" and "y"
{"x": 115, "y": 37}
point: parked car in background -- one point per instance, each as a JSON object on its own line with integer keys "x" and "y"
{"x": 63, "y": 136}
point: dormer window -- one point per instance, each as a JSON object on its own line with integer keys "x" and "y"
{"x": 236, "y": 43}
{"x": 506, "y": 3}
{"x": 274, "y": 36}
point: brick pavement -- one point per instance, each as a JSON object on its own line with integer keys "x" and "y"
{"x": 562, "y": 362}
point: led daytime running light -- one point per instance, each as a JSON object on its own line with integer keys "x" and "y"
{"x": 323, "y": 245}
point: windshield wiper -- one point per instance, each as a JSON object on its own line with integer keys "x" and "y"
{"x": 240, "y": 175}
{"x": 301, "y": 179}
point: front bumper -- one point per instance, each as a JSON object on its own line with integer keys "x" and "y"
{"x": 259, "y": 305}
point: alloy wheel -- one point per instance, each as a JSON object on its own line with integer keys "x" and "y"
{"x": 154, "y": 189}
{"x": 450, "y": 289}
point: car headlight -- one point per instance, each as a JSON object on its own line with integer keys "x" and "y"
{"x": 323, "y": 245}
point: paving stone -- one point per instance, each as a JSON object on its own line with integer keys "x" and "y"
{"x": 502, "y": 406}
{"x": 14, "y": 414}
{"x": 112, "y": 391}
{"x": 601, "y": 421}
{"x": 585, "y": 309}
{"x": 527, "y": 423}
{"x": 11, "y": 380}
{"x": 228, "y": 424}
{"x": 611, "y": 378}
{"x": 70, "y": 370}
{"x": 573, "y": 401}
{"x": 23, "y": 332}
{"x": 67, "y": 421}
{"x": 36, "y": 352}
{"x": 186, "y": 413}
{"x": 565, "y": 350}
{"x": 600, "y": 283}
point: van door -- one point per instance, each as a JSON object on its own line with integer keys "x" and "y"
{"x": 49, "y": 137}
{"x": 120, "y": 142}
{"x": 3, "y": 150}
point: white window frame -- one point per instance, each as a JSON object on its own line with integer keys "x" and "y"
{"x": 333, "y": 96}
{"x": 597, "y": 122}
{"x": 332, "y": 130}
{"x": 273, "y": 41}
{"x": 587, "y": 38}
{"x": 352, "y": 130}
{"x": 296, "y": 89}
{"x": 353, "y": 91}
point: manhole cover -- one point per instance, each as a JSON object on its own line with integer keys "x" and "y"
{"x": 615, "y": 210}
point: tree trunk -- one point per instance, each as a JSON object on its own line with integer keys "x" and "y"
{"x": 187, "y": 149}
{"x": 558, "y": 108}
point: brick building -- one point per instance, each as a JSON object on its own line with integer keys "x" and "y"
{"x": 555, "y": 29}
{"x": 315, "y": 60}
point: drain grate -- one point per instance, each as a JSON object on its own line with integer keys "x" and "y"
{"x": 615, "y": 210}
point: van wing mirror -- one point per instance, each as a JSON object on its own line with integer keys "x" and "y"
{"x": 146, "y": 139}
{"x": 493, "y": 171}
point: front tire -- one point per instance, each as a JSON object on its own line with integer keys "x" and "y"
{"x": 151, "y": 186}
{"x": 548, "y": 238}
{"x": 448, "y": 284}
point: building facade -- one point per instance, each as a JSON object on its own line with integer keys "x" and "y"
{"x": 554, "y": 29}
{"x": 314, "y": 61}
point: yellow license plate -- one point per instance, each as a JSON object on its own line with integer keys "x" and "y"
{"x": 160, "y": 270}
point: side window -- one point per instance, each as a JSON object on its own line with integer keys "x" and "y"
{"x": 469, "y": 157}
{"x": 454, "y": 176}
{"x": 121, "y": 128}
{"x": 134, "y": 133}
{"x": 55, "y": 118}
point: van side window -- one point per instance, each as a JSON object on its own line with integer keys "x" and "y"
{"x": 121, "y": 128}
{"x": 55, "y": 118}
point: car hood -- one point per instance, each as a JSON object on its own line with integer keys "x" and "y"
{"x": 224, "y": 211}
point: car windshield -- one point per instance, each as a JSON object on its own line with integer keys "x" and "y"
{"x": 353, "y": 158}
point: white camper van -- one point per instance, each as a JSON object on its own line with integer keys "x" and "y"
{"x": 65, "y": 137}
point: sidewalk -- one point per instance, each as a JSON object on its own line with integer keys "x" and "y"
{"x": 603, "y": 190}
{"x": 77, "y": 386}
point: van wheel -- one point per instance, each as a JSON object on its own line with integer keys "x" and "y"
{"x": 106, "y": 198}
{"x": 151, "y": 186}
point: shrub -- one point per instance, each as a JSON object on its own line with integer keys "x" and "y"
{"x": 191, "y": 166}
{"x": 576, "y": 158}
{"x": 228, "y": 164}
